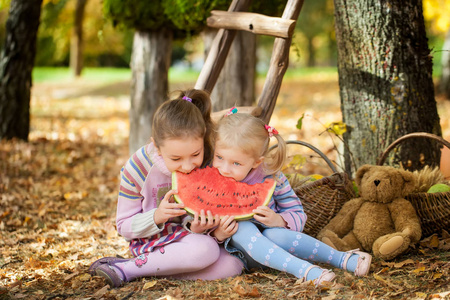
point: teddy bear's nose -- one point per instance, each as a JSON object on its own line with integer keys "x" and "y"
{"x": 377, "y": 182}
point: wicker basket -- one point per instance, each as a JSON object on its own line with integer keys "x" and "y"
{"x": 433, "y": 209}
{"x": 323, "y": 198}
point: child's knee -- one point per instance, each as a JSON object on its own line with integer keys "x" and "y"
{"x": 272, "y": 234}
{"x": 206, "y": 248}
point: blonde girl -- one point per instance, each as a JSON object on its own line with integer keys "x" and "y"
{"x": 147, "y": 216}
{"x": 273, "y": 238}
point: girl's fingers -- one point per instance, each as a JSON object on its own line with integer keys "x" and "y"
{"x": 195, "y": 217}
{"x": 211, "y": 219}
{"x": 169, "y": 196}
{"x": 202, "y": 218}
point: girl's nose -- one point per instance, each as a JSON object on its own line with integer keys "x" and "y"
{"x": 187, "y": 166}
{"x": 225, "y": 169}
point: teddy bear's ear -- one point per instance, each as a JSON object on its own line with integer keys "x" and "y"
{"x": 409, "y": 181}
{"x": 360, "y": 173}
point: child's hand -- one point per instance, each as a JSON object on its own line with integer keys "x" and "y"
{"x": 227, "y": 227}
{"x": 202, "y": 222}
{"x": 168, "y": 208}
{"x": 268, "y": 217}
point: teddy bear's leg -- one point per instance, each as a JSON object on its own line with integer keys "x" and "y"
{"x": 333, "y": 240}
{"x": 352, "y": 242}
{"x": 390, "y": 245}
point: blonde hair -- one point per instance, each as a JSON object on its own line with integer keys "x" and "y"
{"x": 248, "y": 133}
{"x": 179, "y": 118}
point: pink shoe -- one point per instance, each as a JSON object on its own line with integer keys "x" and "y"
{"x": 363, "y": 264}
{"x": 326, "y": 276}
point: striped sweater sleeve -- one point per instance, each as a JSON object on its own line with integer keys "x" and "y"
{"x": 131, "y": 221}
{"x": 287, "y": 204}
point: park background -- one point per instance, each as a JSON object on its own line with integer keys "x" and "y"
{"x": 68, "y": 171}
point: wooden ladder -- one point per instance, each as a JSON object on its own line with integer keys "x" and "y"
{"x": 237, "y": 19}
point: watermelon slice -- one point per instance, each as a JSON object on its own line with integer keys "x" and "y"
{"x": 207, "y": 189}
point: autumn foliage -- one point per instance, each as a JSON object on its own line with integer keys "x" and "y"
{"x": 57, "y": 213}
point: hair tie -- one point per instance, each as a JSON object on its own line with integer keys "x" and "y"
{"x": 271, "y": 130}
{"x": 232, "y": 110}
{"x": 187, "y": 99}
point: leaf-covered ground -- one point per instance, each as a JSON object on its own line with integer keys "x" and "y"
{"x": 58, "y": 195}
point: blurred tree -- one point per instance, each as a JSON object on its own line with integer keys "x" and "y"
{"x": 444, "y": 82}
{"x": 316, "y": 20}
{"x": 235, "y": 85}
{"x": 436, "y": 13}
{"x": 156, "y": 25}
{"x": 17, "y": 60}
{"x": 103, "y": 45}
{"x": 76, "y": 42}
{"x": 385, "y": 79}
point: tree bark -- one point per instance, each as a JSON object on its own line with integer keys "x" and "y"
{"x": 444, "y": 82}
{"x": 17, "y": 61}
{"x": 385, "y": 79}
{"x": 235, "y": 85}
{"x": 150, "y": 62}
{"x": 76, "y": 41}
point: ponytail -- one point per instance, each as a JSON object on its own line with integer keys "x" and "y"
{"x": 202, "y": 100}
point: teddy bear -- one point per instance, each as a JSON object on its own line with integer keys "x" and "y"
{"x": 381, "y": 220}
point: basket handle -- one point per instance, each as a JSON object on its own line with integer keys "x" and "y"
{"x": 407, "y": 136}
{"x": 327, "y": 160}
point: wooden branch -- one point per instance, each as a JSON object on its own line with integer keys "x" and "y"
{"x": 252, "y": 22}
{"x": 218, "y": 52}
{"x": 278, "y": 64}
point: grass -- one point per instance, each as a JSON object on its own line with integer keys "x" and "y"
{"x": 108, "y": 75}
{"x": 61, "y": 74}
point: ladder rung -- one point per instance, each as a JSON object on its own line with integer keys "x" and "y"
{"x": 252, "y": 22}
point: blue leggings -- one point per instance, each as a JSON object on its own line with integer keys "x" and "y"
{"x": 285, "y": 250}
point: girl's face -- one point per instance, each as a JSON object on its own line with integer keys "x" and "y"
{"x": 234, "y": 163}
{"x": 182, "y": 154}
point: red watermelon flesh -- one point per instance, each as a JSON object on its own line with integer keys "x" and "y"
{"x": 208, "y": 190}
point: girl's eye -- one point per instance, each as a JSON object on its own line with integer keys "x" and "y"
{"x": 219, "y": 157}
{"x": 236, "y": 164}
{"x": 175, "y": 159}
{"x": 196, "y": 154}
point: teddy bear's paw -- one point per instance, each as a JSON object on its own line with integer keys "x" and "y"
{"x": 389, "y": 246}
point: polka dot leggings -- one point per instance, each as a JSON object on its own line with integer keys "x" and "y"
{"x": 285, "y": 250}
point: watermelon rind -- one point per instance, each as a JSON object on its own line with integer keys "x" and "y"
{"x": 236, "y": 217}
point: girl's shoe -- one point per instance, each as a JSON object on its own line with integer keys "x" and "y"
{"x": 363, "y": 264}
{"x": 104, "y": 261}
{"x": 110, "y": 275}
{"x": 326, "y": 276}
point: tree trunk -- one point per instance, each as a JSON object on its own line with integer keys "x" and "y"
{"x": 16, "y": 66}
{"x": 444, "y": 83}
{"x": 150, "y": 62}
{"x": 311, "y": 52}
{"x": 235, "y": 85}
{"x": 385, "y": 79}
{"x": 76, "y": 41}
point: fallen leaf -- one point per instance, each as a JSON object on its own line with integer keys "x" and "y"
{"x": 149, "y": 285}
{"x": 402, "y": 263}
{"x": 101, "y": 292}
{"x": 418, "y": 270}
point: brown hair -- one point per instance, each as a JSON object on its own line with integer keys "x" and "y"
{"x": 249, "y": 134}
{"x": 178, "y": 118}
